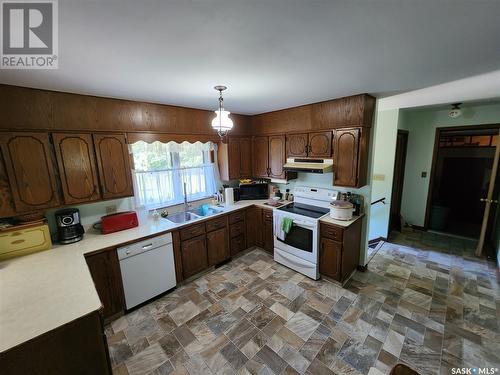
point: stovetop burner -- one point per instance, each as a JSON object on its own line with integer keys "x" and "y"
{"x": 305, "y": 210}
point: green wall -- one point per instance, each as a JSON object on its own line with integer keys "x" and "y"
{"x": 422, "y": 124}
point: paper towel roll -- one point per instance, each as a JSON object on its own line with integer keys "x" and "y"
{"x": 229, "y": 193}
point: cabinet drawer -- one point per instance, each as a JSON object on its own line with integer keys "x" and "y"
{"x": 268, "y": 214}
{"x": 192, "y": 231}
{"x": 238, "y": 244}
{"x": 217, "y": 223}
{"x": 236, "y": 216}
{"x": 237, "y": 229}
{"x": 332, "y": 232}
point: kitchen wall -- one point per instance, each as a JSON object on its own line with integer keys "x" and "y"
{"x": 422, "y": 124}
{"x": 384, "y": 148}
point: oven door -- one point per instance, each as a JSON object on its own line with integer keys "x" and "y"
{"x": 301, "y": 240}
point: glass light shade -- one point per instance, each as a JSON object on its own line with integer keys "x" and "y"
{"x": 222, "y": 121}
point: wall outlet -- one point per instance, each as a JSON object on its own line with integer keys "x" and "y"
{"x": 111, "y": 209}
{"x": 424, "y": 174}
{"x": 378, "y": 177}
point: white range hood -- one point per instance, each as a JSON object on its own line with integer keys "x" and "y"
{"x": 309, "y": 165}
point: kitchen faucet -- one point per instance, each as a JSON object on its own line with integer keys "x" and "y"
{"x": 186, "y": 203}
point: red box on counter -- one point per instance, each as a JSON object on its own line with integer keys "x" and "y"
{"x": 119, "y": 221}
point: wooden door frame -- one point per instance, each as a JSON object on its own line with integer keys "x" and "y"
{"x": 435, "y": 151}
{"x": 406, "y": 133}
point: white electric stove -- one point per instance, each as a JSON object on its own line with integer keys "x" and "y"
{"x": 298, "y": 249}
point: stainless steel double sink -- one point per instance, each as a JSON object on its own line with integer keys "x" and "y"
{"x": 193, "y": 214}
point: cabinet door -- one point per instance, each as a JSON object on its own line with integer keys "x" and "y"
{"x": 345, "y": 161}
{"x": 245, "y": 158}
{"x": 6, "y": 198}
{"x": 268, "y": 230}
{"x": 296, "y": 145}
{"x": 277, "y": 156}
{"x": 253, "y": 221}
{"x": 194, "y": 255}
{"x": 105, "y": 270}
{"x": 113, "y": 165}
{"x": 234, "y": 158}
{"x": 77, "y": 169}
{"x": 330, "y": 254}
{"x": 320, "y": 144}
{"x": 238, "y": 244}
{"x": 260, "y": 156}
{"x": 30, "y": 167}
{"x": 217, "y": 246}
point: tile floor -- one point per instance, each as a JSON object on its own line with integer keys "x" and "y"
{"x": 428, "y": 309}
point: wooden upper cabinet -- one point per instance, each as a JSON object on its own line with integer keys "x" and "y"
{"x": 320, "y": 144}
{"x": 245, "y": 158}
{"x": 297, "y": 145}
{"x": 277, "y": 156}
{"x": 77, "y": 170}
{"x": 30, "y": 168}
{"x": 260, "y": 156}
{"x": 113, "y": 165}
{"x": 346, "y": 145}
{"x": 6, "y": 199}
{"x": 234, "y": 158}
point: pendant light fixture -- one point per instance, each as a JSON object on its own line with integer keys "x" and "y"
{"x": 222, "y": 123}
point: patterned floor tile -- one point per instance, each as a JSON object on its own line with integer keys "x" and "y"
{"x": 433, "y": 306}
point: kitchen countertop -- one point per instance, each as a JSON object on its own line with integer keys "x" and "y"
{"x": 43, "y": 291}
{"x": 341, "y": 223}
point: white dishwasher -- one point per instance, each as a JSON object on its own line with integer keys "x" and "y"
{"x": 147, "y": 268}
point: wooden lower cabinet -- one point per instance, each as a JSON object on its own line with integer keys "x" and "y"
{"x": 105, "y": 270}
{"x": 217, "y": 246}
{"x": 238, "y": 232}
{"x": 267, "y": 220}
{"x": 339, "y": 250}
{"x": 194, "y": 255}
{"x": 78, "y": 347}
{"x": 253, "y": 218}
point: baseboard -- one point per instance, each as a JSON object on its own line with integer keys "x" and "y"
{"x": 376, "y": 240}
{"x": 418, "y": 227}
{"x": 362, "y": 268}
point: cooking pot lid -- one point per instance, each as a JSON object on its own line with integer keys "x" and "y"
{"x": 341, "y": 204}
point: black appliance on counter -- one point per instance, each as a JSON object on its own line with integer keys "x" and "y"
{"x": 69, "y": 228}
{"x": 258, "y": 190}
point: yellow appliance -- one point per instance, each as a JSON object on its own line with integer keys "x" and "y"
{"x": 24, "y": 239}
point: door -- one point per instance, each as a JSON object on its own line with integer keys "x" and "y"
{"x": 320, "y": 145}
{"x": 345, "y": 160}
{"x": 268, "y": 230}
{"x": 490, "y": 199}
{"x": 296, "y": 145}
{"x": 77, "y": 169}
{"x": 113, "y": 165}
{"x": 105, "y": 271}
{"x": 277, "y": 157}
{"x": 234, "y": 158}
{"x": 330, "y": 255}
{"x": 194, "y": 255}
{"x": 260, "y": 156}
{"x": 398, "y": 179}
{"x": 245, "y": 158}
{"x": 217, "y": 246}
{"x": 253, "y": 219}
{"x": 29, "y": 165}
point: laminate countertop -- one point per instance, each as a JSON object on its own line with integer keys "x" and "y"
{"x": 43, "y": 291}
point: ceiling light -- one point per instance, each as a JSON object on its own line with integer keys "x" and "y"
{"x": 222, "y": 123}
{"x": 455, "y": 110}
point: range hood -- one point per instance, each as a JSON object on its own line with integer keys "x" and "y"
{"x": 308, "y": 165}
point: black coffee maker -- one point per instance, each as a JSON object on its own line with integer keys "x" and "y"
{"x": 69, "y": 228}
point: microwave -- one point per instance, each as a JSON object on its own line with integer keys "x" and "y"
{"x": 254, "y": 191}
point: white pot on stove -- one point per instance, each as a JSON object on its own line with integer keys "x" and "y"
{"x": 341, "y": 210}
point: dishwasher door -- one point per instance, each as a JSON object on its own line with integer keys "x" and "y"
{"x": 147, "y": 269}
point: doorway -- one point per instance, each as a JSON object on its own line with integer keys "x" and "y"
{"x": 398, "y": 181}
{"x": 462, "y": 168}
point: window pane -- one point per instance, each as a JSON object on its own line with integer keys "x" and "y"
{"x": 190, "y": 156}
{"x": 151, "y": 157}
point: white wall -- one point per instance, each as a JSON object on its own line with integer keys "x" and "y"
{"x": 384, "y": 148}
{"x": 422, "y": 124}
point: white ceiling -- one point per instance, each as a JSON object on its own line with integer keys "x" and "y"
{"x": 271, "y": 53}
